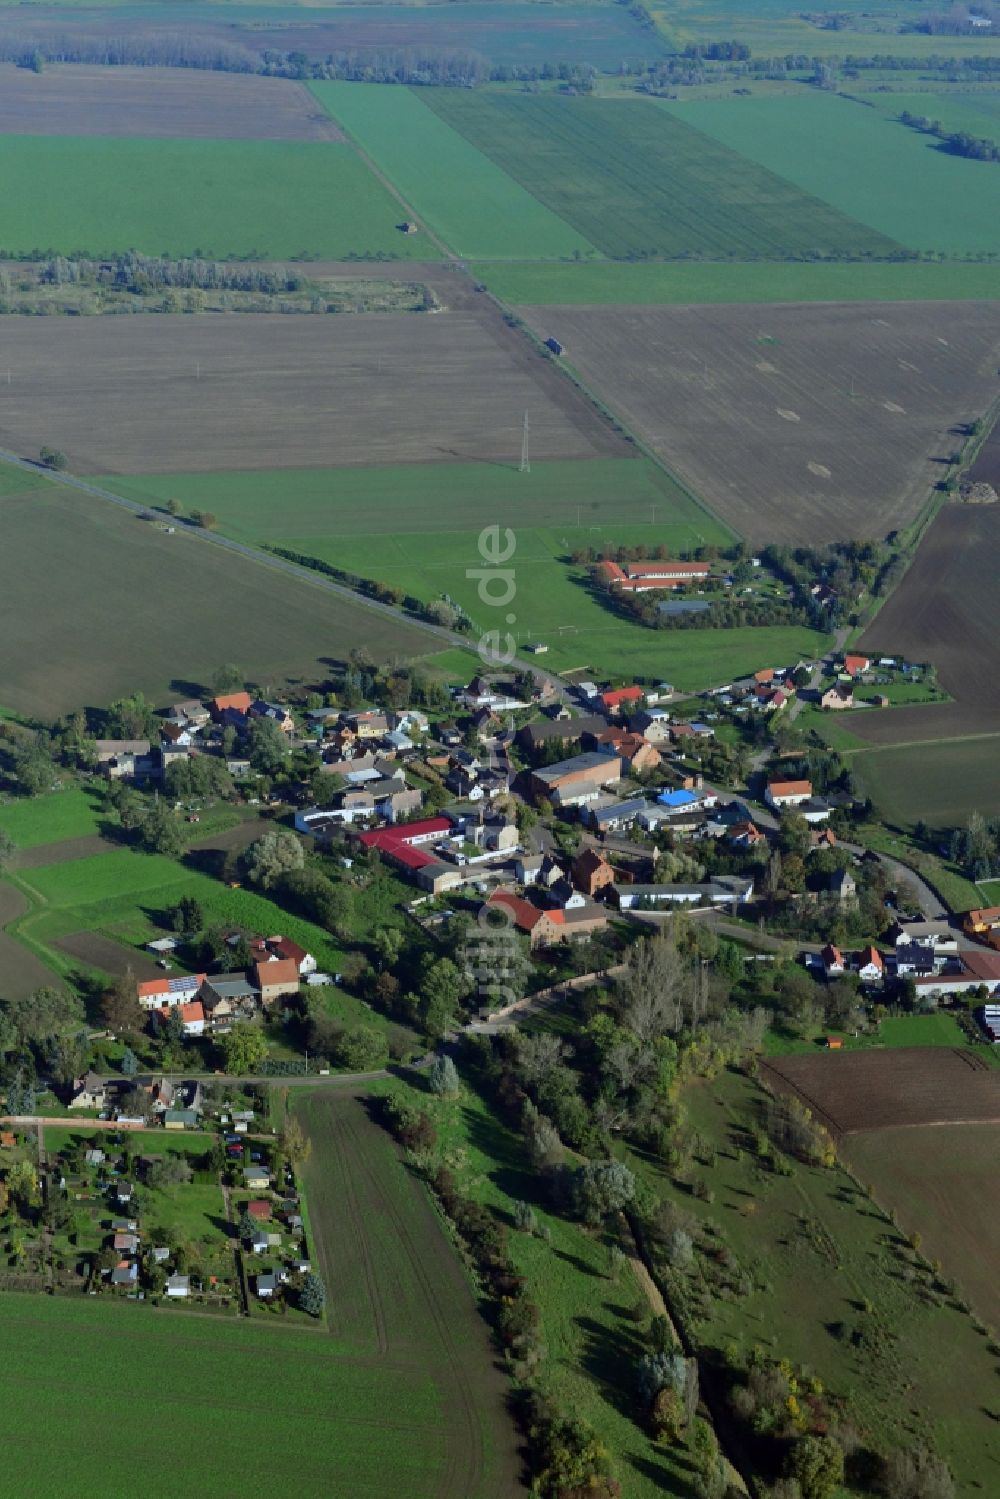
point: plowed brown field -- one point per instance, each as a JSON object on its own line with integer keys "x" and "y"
{"x": 947, "y": 610}
{"x": 872, "y": 1090}
{"x": 79, "y": 99}
{"x": 795, "y": 423}
{"x": 243, "y": 391}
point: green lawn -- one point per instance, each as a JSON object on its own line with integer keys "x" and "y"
{"x": 692, "y": 282}
{"x": 870, "y": 168}
{"x": 461, "y": 194}
{"x": 32, "y": 821}
{"x": 415, "y": 528}
{"x": 817, "y": 1251}
{"x": 637, "y": 181}
{"x": 895, "y": 1030}
{"x": 218, "y": 198}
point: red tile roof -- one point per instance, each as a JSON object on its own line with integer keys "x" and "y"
{"x": 260, "y": 1210}
{"x": 239, "y": 700}
{"x": 790, "y": 788}
{"x": 192, "y": 1012}
{"x": 621, "y": 695}
{"x": 870, "y": 957}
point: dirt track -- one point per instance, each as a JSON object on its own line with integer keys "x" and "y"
{"x": 79, "y": 99}
{"x": 796, "y": 423}
{"x": 852, "y": 1091}
{"x": 175, "y": 394}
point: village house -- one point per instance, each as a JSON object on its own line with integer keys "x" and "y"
{"x": 871, "y": 966}
{"x": 284, "y": 947}
{"x": 165, "y": 993}
{"x": 832, "y": 960}
{"x": 837, "y": 697}
{"x": 89, "y": 1092}
{"x": 782, "y": 794}
{"x": 591, "y": 872}
{"x": 231, "y": 702}
{"x": 974, "y": 968}
{"x": 856, "y": 666}
{"x": 276, "y": 978}
{"x": 980, "y": 921}
{"x": 607, "y": 815}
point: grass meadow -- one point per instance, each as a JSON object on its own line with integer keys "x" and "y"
{"x": 460, "y": 193}
{"x": 818, "y": 1251}
{"x": 636, "y": 180}
{"x": 415, "y": 528}
{"x": 893, "y": 1031}
{"x": 265, "y": 200}
{"x": 692, "y": 282}
{"x": 870, "y": 168}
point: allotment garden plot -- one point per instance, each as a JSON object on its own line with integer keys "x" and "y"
{"x": 77, "y": 99}
{"x": 266, "y": 391}
{"x": 801, "y": 423}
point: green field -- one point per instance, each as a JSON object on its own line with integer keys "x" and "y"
{"x": 978, "y": 113}
{"x": 460, "y": 193}
{"x": 864, "y": 165}
{"x": 402, "y": 1310}
{"x": 637, "y": 181}
{"x": 415, "y": 528}
{"x": 818, "y": 1255}
{"x": 86, "y": 640}
{"x": 32, "y": 821}
{"x": 268, "y": 1399}
{"x": 692, "y": 282}
{"x": 256, "y": 199}
{"x": 941, "y": 782}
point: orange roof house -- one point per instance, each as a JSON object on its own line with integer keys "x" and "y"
{"x": 239, "y": 701}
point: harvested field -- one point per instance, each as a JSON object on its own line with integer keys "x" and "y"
{"x": 78, "y": 99}
{"x": 872, "y": 1090}
{"x": 108, "y": 956}
{"x": 947, "y": 611}
{"x": 400, "y": 1303}
{"x": 21, "y": 972}
{"x": 752, "y": 405}
{"x": 947, "y": 1192}
{"x": 108, "y": 620}
{"x": 247, "y": 392}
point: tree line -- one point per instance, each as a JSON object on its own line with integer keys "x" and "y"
{"x": 958, "y": 142}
